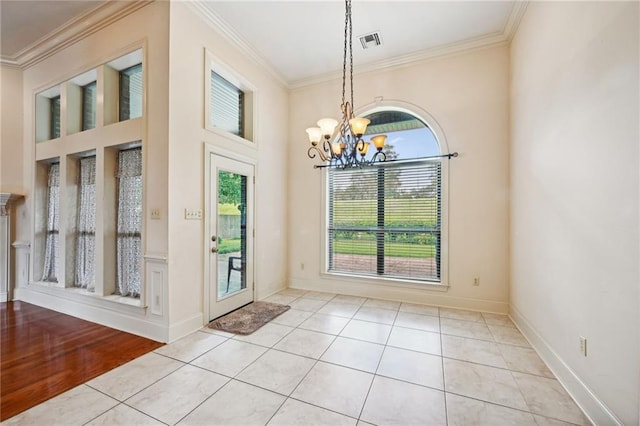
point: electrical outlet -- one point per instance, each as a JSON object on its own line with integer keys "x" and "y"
{"x": 155, "y": 213}
{"x": 193, "y": 214}
{"x": 476, "y": 281}
{"x": 583, "y": 346}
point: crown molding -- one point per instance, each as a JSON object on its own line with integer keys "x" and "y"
{"x": 111, "y": 11}
{"x": 223, "y": 28}
{"x": 73, "y": 31}
{"x": 10, "y": 63}
{"x": 468, "y": 45}
{"x": 475, "y": 43}
{"x": 513, "y": 22}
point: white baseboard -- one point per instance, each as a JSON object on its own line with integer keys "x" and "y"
{"x": 597, "y": 412}
{"x": 4, "y": 297}
{"x": 135, "y": 324}
{"x": 400, "y": 294}
{"x": 184, "y": 327}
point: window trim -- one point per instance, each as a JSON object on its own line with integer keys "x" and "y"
{"x": 250, "y": 119}
{"x": 443, "y": 284}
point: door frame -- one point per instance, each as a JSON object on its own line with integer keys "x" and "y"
{"x": 208, "y": 229}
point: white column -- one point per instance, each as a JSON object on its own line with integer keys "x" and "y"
{"x": 5, "y": 247}
{"x": 23, "y": 249}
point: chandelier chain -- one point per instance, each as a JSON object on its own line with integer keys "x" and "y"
{"x": 350, "y": 51}
{"x": 347, "y": 149}
{"x": 347, "y": 19}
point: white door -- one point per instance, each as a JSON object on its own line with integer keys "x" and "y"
{"x": 230, "y": 238}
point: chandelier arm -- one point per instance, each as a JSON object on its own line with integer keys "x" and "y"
{"x": 326, "y": 146}
{"x": 354, "y": 148}
{"x": 312, "y": 154}
{"x": 378, "y": 156}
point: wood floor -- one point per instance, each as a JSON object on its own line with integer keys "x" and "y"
{"x": 44, "y": 353}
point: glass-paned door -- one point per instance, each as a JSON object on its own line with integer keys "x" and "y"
{"x": 231, "y": 239}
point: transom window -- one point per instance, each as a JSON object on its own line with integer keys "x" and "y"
{"x": 386, "y": 220}
{"x": 89, "y": 93}
{"x": 131, "y": 86}
{"x": 226, "y": 105}
{"x": 55, "y": 117}
{"x": 229, "y": 107}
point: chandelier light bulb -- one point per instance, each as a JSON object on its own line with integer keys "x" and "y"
{"x": 315, "y": 134}
{"x": 363, "y": 148}
{"x": 327, "y": 126}
{"x": 378, "y": 141}
{"x": 359, "y": 125}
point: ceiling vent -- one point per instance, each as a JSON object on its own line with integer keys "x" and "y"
{"x": 370, "y": 40}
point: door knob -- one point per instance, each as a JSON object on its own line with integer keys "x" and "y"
{"x": 214, "y": 249}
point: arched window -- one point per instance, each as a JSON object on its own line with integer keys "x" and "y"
{"x": 386, "y": 220}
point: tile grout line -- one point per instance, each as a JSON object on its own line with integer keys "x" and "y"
{"x": 92, "y": 419}
{"x": 247, "y": 366}
{"x": 305, "y": 376}
{"x": 307, "y": 373}
{"x": 334, "y": 339}
{"x": 204, "y": 400}
{"x": 375, "y": 373}
{"x": 146, "y": 387}
{"x": 444, "y": 377}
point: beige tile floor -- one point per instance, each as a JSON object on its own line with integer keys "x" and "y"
{"x": 330, "y": 360}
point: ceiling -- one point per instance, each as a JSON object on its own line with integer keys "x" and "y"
{"x": 23, "y": 23}
{"x": 300, "y": 40}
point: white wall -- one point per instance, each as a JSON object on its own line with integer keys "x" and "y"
{"x": 144, "y": 27}
{"x": 468, "y": 95}
{"x": 173, "y": 140}
{"x": 11, "y": 151}
{"x": 575, "y": 186}
{"x": 190, "y": 35}
{"x": 11, "y": 130}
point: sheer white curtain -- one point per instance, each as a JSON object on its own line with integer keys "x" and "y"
{"x": 129, "y": 244}
{"x": 86, "y": 236}
{"x": 50, "y": 269}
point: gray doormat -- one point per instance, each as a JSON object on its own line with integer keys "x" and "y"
{"x": 248, "y": 319}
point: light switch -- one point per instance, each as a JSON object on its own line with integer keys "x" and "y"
{"x": 193, "y": 214}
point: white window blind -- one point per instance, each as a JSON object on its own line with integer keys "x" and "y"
{"x": 226, "y": 105}
{"x": 89, "y": 106}
{"x": 386, "y": 220}
{"x": 55, "y": 117}
{"x": 131, "y": 85}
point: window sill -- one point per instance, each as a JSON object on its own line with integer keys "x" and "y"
{"x": 386, "y": 281}
{"x": 113, "y": 302}
{"x": 131, "y": 301}
{"x": 234, "y": 138}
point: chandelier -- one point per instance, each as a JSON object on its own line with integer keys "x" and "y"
{"x": 348, "y": 149}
